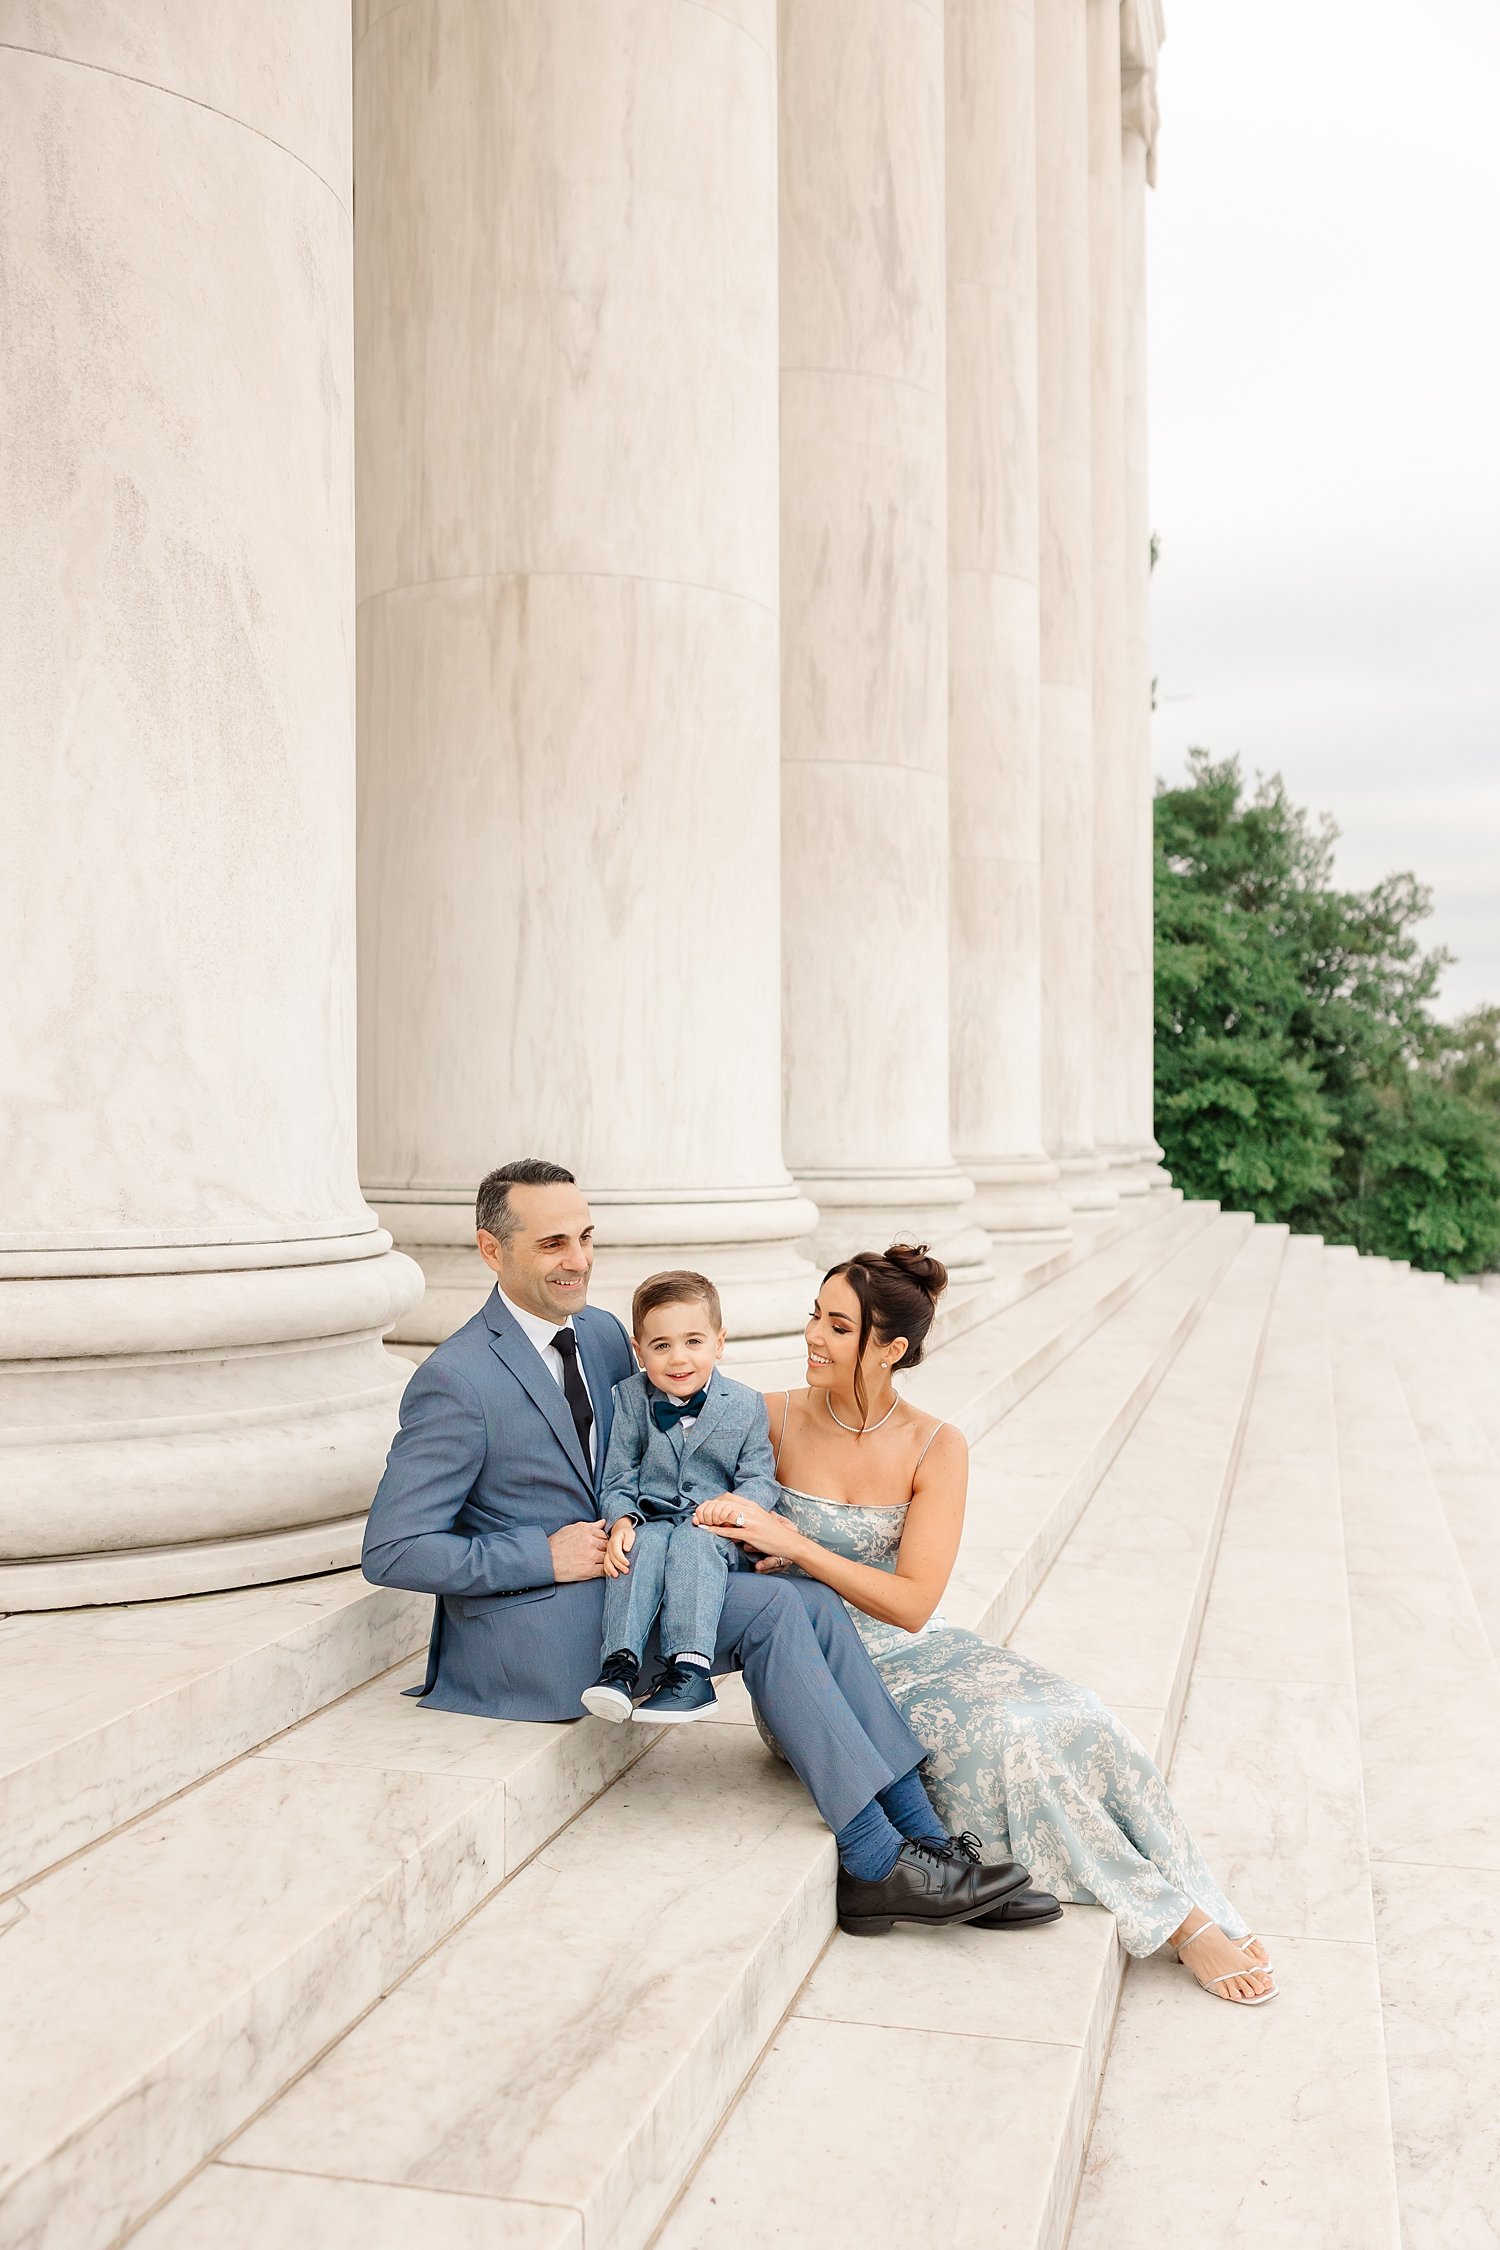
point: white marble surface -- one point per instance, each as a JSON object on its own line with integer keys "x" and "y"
{"x": 1139, "y": 936}
{"x": 1216, "y": 2126}
{"x": 994, "y": 617}
{"x": 1439, "y": 1945}
{"x": 864, "y": 693}
{"x": 856, "y": 2116}
{"x": 111, "y": 1711}
{"x": 1272, "y": 1775}
{"x": 1240, "y": 2128}
{"x": 577, "y": 2041}
{"x": 266, "y": 1909}
{"x": 1065, "y": 579}
{"x": 1119, "y": 1610}
{"x": 165, "y": 1984}
{"x": 1429, "y": 1692}
{"x": 568, "y": 589}
{"x": 176, "y": 571}
{"x": 232, "y": 2207}
{"x": 1114, "y": 689}
{"x": 1432, "y": 1362}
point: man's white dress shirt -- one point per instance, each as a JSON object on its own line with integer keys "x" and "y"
{"x": 540, "y": 1332}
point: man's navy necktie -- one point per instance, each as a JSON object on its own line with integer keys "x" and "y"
{"x": 669, "y": 1410}
{"x": 575, "y": 1390}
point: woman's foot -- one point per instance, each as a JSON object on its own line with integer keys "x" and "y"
{"x": 1219, "y": 1962}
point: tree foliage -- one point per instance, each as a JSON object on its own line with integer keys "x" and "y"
{"x": 1300, "y": 1072}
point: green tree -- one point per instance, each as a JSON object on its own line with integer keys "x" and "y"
{"x": 1300, "y": 1072}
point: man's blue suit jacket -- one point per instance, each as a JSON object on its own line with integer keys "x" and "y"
{"x": 485, "y": 1465}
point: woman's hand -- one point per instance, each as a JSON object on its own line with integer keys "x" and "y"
{"x": 750, "y": 1525}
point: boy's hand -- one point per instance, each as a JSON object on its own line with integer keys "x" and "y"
{"x": 716, "y": 1513}
{"x": 621, "y": 1540}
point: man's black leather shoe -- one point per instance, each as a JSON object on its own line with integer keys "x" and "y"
{"x": 1023, "y": 1910}
{"x": 927, "y": 1884}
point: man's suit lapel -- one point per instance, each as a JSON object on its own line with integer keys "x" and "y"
{"x": 525, "y": 1363}
{"x": 596, "y": 1375}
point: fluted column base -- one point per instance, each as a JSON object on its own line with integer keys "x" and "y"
{"x": 1127, "y": 1171}
{"x": 868, "y": 1210}
{"x": 1018, "y": 1198}
{"x": 1087, "y": 1183}
{"x": 221, "y": 1420}
{"x": 750, "y": 1245}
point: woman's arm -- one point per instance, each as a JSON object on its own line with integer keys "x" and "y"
{"x": 906, "y": 1596}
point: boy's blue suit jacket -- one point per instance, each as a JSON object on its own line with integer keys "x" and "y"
{"x": 728, "y": 1449}
{"x": 485, "y": 1465}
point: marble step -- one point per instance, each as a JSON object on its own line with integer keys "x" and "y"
{"x": 1470, "y": 1321}
{"x": 660, "y": 2027}
{"x": 983, "y": 1374}
{"x": 1463, "y": 1464}
{"x": 939, "y": 2088}
{"x": 427, "y": 1788}
{"x": 111, "y": 1711}
{"x": 1033, "y": 1474}
{"x": 1429, "y": 1719}
{"x": 1020, "y": 1268}
{"x": 162, "y": 1985}
{"x": 118, "y": 1709}
{"x": 1214, "y": 2127}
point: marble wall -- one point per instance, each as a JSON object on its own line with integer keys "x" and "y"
{"x": 750, "y": 616}
{"x": 864, "y": 628}
{"x": 192, "y": 1288}
{"x": 994, "y": 673}
{"x": 568, "y": 657}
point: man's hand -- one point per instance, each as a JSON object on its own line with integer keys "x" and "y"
{"x": 621, "y": 1540}
{"x": 577, "y": 1552}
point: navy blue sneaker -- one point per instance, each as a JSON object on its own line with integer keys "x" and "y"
{"x": 682, "y": 1694}
{"x": 612, "y": 1695}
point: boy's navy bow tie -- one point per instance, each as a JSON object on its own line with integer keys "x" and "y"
{"x": 670, "y": 1410}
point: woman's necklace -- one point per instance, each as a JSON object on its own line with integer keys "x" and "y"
{"x": 870, "y": 1427}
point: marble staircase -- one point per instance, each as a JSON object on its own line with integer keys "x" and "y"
{"x": 287, "y": 1958}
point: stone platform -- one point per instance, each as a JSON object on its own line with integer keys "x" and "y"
{"x": 286, "y": 1959}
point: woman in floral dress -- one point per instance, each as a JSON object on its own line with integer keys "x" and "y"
{"x": 1033, "y": 1766}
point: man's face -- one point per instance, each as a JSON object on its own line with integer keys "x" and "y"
{"x": 544, "y": 1263}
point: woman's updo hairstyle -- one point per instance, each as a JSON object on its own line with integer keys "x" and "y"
{"x": 898, "y": 1290}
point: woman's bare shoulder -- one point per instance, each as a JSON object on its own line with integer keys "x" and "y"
{"x": 941, "y": 1443}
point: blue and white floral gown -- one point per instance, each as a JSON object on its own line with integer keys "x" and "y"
{"x": 1038, "y": 1769}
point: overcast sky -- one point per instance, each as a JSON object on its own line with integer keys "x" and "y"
{"x": 1325, "y": 338}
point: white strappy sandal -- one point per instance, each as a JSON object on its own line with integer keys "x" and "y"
{"x": 1251, "y": 1968}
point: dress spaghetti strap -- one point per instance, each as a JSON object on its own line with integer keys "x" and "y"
{"x": 921, "y": 1457}
{"x": 786, "y": 1402}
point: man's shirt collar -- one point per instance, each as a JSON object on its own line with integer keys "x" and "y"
{"x": 533, "y": 1327}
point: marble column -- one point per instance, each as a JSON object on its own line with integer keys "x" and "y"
{"x": 1116, "y": 788}
{"x": 1066, "y": 578}
{"x": 566, "y": 324}
{"x": 193, "y": 1387}
{"x": 1142, "y": 32}
{"x": 864, "y": 695}
{"x": 994, "y": 775}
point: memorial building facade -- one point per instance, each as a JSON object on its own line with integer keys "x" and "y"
{"x": 576, "y": 577}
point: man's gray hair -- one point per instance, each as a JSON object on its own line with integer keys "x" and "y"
{"x": 492, "y": 1207}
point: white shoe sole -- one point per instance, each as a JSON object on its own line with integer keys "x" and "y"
{"x": 675, "y": 1718}
{"x": 608, "y": 1703}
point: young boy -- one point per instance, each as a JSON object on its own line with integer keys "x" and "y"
{"x": 683, "y": 1433}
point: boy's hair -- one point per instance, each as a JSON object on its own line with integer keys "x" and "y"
{"x": 676, "y": 1288}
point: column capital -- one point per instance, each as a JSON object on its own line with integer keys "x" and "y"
{"x": 1142, "y": 30}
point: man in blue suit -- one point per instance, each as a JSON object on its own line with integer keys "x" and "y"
{"x": 489, "y": 1502}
